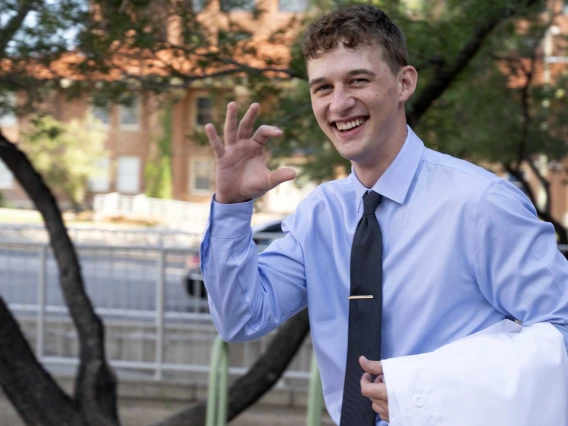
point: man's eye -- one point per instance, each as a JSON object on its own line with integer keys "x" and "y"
{"x": 359, "y": 81}
{"x": 322, "y": 88}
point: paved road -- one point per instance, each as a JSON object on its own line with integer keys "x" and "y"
{"x": 115, "y": 279}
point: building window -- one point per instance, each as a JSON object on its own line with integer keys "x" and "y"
{"x": 203, "y": 111}
{"x": 99, "y": 181}
{"x": 237, "y": 5}
{"x": 7, "y": 103}
{"x": 292, "y": 5}
{"x": 6, "y": 176}
{"x": 130, "y": 114}
{"x": 202, "y": 171}
{"x": 128, "y": 175}
{"x": 102, "y": 114}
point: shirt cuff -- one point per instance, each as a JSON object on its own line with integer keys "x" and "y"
{"x": 230, "y": 220}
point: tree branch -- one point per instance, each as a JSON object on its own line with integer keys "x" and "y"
{"x": 95, "y": 390}
{"x": 264, "y": 374}
{"x": 14, "y": 24}
{"x": 446, "y": 75}
{"x": 29, "y": 387}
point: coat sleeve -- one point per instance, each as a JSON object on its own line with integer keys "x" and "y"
{"x": 506, "y": 375}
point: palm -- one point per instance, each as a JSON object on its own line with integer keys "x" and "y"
{"x": 241, "y": 169}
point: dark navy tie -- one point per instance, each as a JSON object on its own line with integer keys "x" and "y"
{"x": 365, "y": 310}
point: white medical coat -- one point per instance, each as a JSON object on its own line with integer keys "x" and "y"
{"x": 506, "y": 375}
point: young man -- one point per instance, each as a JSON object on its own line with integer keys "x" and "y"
{"x": 411, "y": 252}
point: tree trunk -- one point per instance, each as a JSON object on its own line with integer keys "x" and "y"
{"x": 31, "y": 389}
{"x": 95, "y": 385}
{"x": 260, "y": 378}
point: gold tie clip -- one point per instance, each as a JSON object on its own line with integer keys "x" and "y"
{"x": 361, "y": 297}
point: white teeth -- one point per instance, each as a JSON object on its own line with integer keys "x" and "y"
{"x": 350, "y": 124}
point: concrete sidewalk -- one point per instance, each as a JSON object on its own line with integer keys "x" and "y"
{"x": 138, "y": 412}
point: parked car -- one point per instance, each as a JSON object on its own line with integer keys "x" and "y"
{"x": 262, "y": 235}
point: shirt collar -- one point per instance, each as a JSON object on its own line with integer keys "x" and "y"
{"x": 397, "y": 178}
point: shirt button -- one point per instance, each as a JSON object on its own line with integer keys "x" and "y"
{"x": 418, "y": 401}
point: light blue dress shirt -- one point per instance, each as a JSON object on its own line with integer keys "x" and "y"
{"x": 462, "y": 250}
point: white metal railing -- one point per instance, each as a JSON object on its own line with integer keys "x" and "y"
{"x": 162, "y": 237}
{"x": 152, "y": 323}
{"x": 133, "y": 288}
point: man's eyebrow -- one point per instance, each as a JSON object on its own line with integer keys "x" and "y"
{"x": 350, "y": 74}
{"x": 361, "y": 71}
{"x": 316, "y": 81}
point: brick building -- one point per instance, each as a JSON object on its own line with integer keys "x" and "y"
{"x": 133, "y": 129}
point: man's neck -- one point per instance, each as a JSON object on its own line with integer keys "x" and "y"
{"x": 369, "y": 173}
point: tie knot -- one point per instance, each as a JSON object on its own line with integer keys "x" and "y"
{"x": 371, "y": 201}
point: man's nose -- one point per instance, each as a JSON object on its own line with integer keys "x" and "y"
{"x": 341, "y": 100}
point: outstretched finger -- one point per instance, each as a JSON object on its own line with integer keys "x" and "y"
{"x": 214, "y": 140}
{"x": 264, "y": 132}
{"x": 280, "y": 176}
{"x": 247, "y": 123}
{"x": 230, "y": 129}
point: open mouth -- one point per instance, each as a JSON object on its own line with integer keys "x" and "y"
{"x": 344, "y": 126}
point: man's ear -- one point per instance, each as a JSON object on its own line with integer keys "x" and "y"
{"x": 408, "y": 77}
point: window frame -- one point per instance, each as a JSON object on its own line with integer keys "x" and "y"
{"x": 138, "y": 180}
{"x": 104, "y": 125}
{"x": 193, "y": 177}
{"x": 108, "y": 176}
{"x": 130, "y": 127}
{"x": 196, "y": 110}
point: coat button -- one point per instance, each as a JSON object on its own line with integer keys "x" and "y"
{"x": 418, "y": 401}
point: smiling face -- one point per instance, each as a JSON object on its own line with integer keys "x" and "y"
{"x": 359, "y": 104}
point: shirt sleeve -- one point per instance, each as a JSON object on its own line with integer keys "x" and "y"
{"x": 249, "y": 294}
{"x": 507, "y": 375}
{"x": 517, "y": 263}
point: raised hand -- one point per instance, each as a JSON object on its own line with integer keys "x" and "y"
{"x": 241, "y": 173}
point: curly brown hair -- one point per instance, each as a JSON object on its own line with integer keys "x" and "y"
{"x": 355, "y": 26}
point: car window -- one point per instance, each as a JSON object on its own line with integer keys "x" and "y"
{"x": 277, "y": 227}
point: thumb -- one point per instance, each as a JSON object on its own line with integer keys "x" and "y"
{"x": 372, "y": 367}
{"x": 281, "y": 175}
